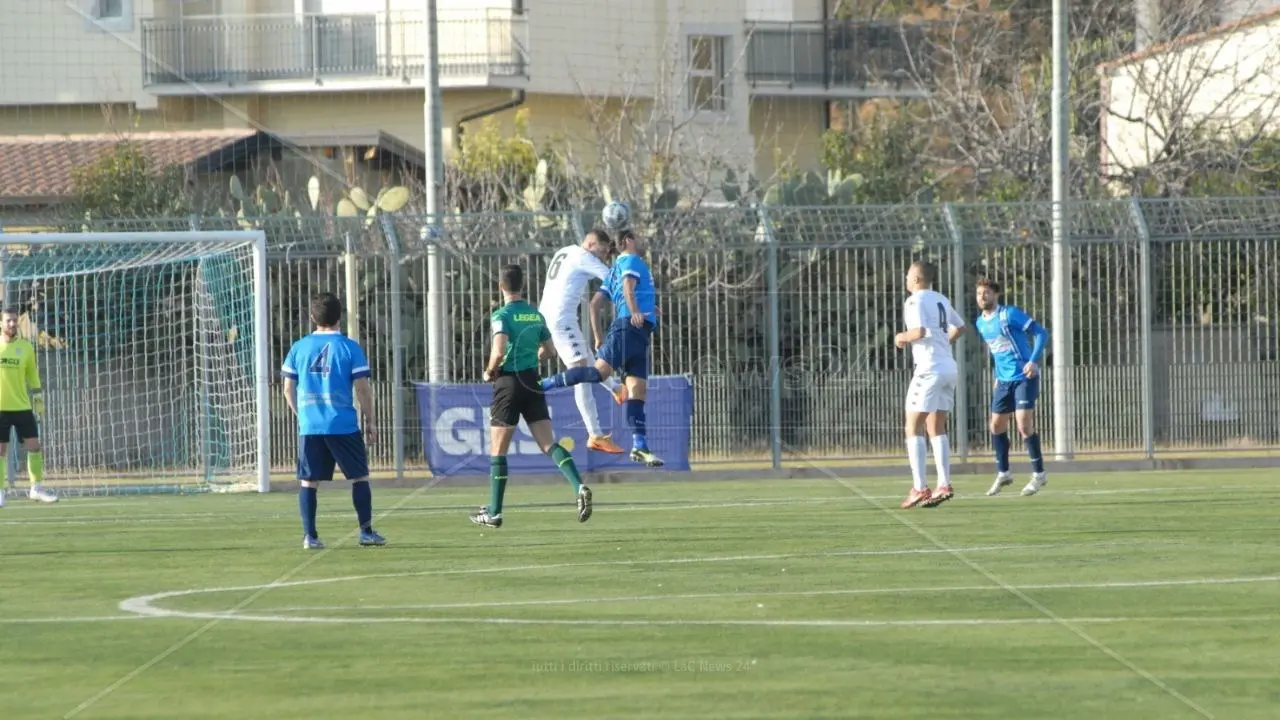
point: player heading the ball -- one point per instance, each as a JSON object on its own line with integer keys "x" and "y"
{"x": 567, "y": 277}
{"x": 520, "y": 340}
{"x": 626, "y": 346}
{"x": 933, "y": 325}
{"x": 21, "y": 401}
{"x": 1017, "y": 343}
{"x": 323, "y": 373}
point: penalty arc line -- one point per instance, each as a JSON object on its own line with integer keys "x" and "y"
{"x": 200, "y": 631}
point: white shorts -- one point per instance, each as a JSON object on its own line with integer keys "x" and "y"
{"x": 932, "y": 392}
{"x": 569, "y": 343}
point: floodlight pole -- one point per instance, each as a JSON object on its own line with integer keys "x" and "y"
{"x": 438, "y": 347}
{"x": 1060, "y": 302}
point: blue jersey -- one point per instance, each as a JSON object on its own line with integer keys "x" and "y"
{"x": 633, "y": 266}
{"x": 1014, "y": 340}
{"x": 326, "y": 365}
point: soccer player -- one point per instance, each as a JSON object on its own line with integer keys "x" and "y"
{"x": 321, "y": 373}
{"x": 626, "y": 346}
{"x": 932, "y": 326}
{"x": 520, "y": 340}
{"x": 1017, "y": 343}
{"x": 567, "y": 275}
{"x": 21, "y": 400}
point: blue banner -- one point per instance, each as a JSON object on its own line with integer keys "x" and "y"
{"x": 455, "y": 428}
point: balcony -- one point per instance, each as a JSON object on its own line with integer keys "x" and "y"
{"x": 311, "y": 52}
{"x": 838, "y": 59}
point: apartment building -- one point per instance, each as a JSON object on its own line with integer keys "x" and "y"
{"x": 749, "y": 80}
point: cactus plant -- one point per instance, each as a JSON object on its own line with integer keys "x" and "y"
{"x": 388, "y": 200}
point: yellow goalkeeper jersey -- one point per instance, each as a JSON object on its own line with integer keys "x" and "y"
{"x": 18, "y": 374}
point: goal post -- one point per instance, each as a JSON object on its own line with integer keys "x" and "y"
{"x": 154, "y": 350}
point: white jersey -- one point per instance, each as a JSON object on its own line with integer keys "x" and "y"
{"x": 567, "y": 277}
{"x": 932, "y": 311}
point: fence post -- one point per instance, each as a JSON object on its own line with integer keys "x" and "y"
{"x": 773, "y": 331}
{"x": 1145, "y": 307}
{"x": 352, "y": 284}
{"x": 397, "y": 348}
{"x": 11, "y": 461}
{"x": 957, "y": 287}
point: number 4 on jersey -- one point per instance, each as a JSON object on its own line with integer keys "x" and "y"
{"x": 320, "y": 365}
{"x": 942, "y": 317}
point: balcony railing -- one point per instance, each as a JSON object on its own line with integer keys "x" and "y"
{"x": 235, "y": 50}
{"x": 838, "y": 55}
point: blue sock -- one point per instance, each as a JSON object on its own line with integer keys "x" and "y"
{"x": 572, "y": 376}
{"x": 1000, "y": 443}
{"x": 307, "y": 503}
{"x": 1033, "y": 452}
{"x": 362, "y": 498}
{"x": 635, "y": 418}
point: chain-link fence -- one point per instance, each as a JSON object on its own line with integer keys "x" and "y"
{"x": 783, "y": 318}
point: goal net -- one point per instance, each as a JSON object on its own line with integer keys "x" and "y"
{"x": 152, "y": 350}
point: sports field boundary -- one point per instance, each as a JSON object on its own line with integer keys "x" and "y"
{"x": 796, "y": 470}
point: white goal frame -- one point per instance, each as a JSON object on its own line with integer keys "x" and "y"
{"x": 261, "y": 309}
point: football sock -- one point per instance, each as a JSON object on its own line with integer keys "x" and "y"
{"x": 362, "y": 498}
{"x": 307, "y": 503}
{"x": 916, "y": 452}
{"x": 35, "y": 467}
{"x": 584, "y": 396}
{"x": 1033, "y": 451}
{"x": 497, "y": 483}
{"x": 1000, "y": 443}
{"x": 564, "y": 461}
{"x": 575, "y": 376}
{"x": 635, "y": 418}
{"x": 942, "y": 458}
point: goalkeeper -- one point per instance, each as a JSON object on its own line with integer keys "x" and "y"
{"x": 20, "y": 401}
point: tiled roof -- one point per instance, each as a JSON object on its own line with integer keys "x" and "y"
{"x": 39, "y": 166}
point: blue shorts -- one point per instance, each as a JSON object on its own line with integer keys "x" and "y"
{"x": 626, "y": 348}
{"x": 1015, "y": 395}
{"x": 317, "y": 454}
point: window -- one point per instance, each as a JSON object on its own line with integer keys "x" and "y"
{"x": 109, "y": 15}
{"x": 110, "y": 9}
{"x": 707, "y": 73}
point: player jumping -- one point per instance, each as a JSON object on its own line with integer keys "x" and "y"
{"x": 321, "y": 374}
{"x": 21, "y": 400}
{"x": 626, "y": 346}
{"x": 932, "y": 326}
{"x": 567, "y": 276}
{"x": 1015, "y": 362}
{"x": 520, "y": 341}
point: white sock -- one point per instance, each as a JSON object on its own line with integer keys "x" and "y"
{"x": 916, "y": 455}
{"x": 942, "y": 458}
{"x": 611, "y": 383}
{"x": 587, "y": 407}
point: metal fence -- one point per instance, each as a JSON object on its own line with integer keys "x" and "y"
{"x": 784, "y": 317}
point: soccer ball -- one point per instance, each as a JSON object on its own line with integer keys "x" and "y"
{"x": 616, "y": 215}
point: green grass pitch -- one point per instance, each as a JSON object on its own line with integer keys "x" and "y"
{"x": 1130, "y": 596}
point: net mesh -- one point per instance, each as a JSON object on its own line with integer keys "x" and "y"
{"x": 146, "y": 355}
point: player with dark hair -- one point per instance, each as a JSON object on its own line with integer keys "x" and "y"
{"x": 520, "y": 340}
{"x": 1017, "y": 343}
{"x": 932, "y": 326}
{"x": 323, "y": 373}
{"x": 626, "y": 346}
{"x": 21, "y": 400}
